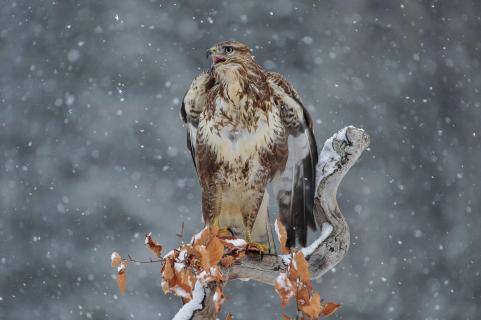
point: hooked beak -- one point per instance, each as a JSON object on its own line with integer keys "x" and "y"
{"x": 216, "y": 58}
{"x": 210, "y": 52}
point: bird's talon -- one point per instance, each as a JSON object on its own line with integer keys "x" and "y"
{"x": 224, "y": 233}
{"x": 257, "y": 247}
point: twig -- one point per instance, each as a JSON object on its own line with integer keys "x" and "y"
{"x": 130, "y": 259}
{"x": 181, "y": 233}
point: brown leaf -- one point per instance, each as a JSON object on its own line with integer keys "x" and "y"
{"x": 229, "y": 317}
{"x": 282, "y": 236}
{"x": 121, "y": 278}
{"x": 215, "y": 249}
{"x": 214, "y": 230}
{"x": 313, "y": 308}
{"x": 285, "y": 317}
{"x": 168, "y": 271}
{"x": 186, "y": 280}
{"x": 215, "y": 274}
{"x": 153, "y": 246}
{"x": 284, "y": 288}
{"x": 116, "y": 259}
{"x": 303, "y": 294}
{"x": 302, "y": 267}
{"x": 227, "y": 261}
{"x": 165, "y": 287}
{"x": 329, "y": 308}
{"x": 176, "y": 277}
{"x": 204, "y": 257}
{"x": 202, "y": 237}
{"x": 121, "y": 282}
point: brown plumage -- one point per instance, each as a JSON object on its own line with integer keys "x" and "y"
{"x": 247, "y": 127}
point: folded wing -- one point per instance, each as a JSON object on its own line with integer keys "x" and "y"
{"x": 192, "y": 105}
{"x": 294, "y": 188}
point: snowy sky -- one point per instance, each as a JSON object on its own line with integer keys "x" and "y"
{"x": 93, "y": 156}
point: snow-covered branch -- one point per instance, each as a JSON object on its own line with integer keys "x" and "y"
{"x": 187, "y": 311}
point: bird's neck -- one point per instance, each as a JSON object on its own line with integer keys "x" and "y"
{"x": 240, "y": 82}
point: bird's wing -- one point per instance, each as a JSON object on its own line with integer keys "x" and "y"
{"x": 193, "y": 104}
{"x": 294, "y": 188}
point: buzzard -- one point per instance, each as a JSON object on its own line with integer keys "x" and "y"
{"x": 246, "y": 128}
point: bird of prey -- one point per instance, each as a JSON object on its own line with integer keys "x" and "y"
{"x": 247, "y": 127}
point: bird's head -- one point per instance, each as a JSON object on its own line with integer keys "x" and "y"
{"x": 229, "y": 52}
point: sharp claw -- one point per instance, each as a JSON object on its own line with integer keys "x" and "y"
{"x": 257, "y": 247}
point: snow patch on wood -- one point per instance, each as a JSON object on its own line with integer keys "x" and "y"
{"x": 236, "y": 242}
{"x": 187, "y": 311}
{"x": 326, "y": 231}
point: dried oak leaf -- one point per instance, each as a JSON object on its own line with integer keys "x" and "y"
{"x": 282, "y": 236}
{"x": 167, "y": 276}
{"x": 227, "y": 261}
{"x": 300, "y": 264}
{"x": 329, "y": 308}
{"x": 165, "y": 287}
{"x": 204, "y": 257}
{"x": 204, "y": 236}
{"x": 168, "y": 270}
{"x": 284, "y": 288}
{"x": 121, "y": 277}
{"x": 115, "y": 259}
{"x": 177, "y": 277}
{"x": 215, "y": 249}
{"x": 121, "y": 282}
{"x": 303, "y": 294}
{"x": 214, "y": 230}
{"x": 312, "y": 309}
{"x": 201, "y": 237}
{"x": 185, "y": 280}
{"x": 214, "y": 274}
{"x": 153, "y": 246}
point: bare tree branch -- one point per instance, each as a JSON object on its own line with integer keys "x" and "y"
{"x": 338, "y": 155}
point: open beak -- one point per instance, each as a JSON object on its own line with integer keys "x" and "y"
{"x": 216, "y": 58}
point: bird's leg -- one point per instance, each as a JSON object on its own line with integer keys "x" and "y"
{"x": 211, "y": 204}
{"x": 255, "y": 246}
{"x": 211, "y": 207}
{"x": 249, "y": 215}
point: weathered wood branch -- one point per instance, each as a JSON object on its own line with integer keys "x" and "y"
{"x": 338, "y": 155}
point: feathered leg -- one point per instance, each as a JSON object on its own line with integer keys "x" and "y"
{"x": 252, "y": 203}
{"x": 262, "y": 231}
{"x": 211, "y": 204}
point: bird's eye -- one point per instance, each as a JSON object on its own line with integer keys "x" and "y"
{"x": 228, "y": 49}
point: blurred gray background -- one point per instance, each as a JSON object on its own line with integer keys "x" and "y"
{"x": 93, "y": 156}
